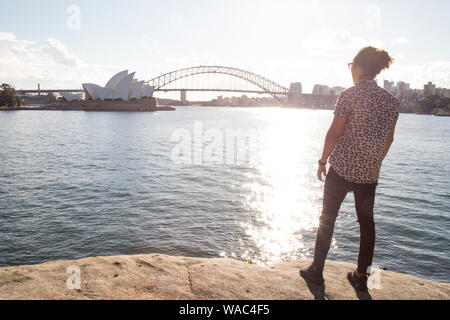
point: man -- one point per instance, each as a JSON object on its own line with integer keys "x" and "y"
{"x": 357, "y": 142}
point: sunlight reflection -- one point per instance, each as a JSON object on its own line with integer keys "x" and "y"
{"x": 283, "y": 195}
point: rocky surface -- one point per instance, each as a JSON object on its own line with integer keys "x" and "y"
{"x": 166, "y": 277}
{"x": 441, "y": 112}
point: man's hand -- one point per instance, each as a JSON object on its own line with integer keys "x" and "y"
{"x": 321, "y": 171}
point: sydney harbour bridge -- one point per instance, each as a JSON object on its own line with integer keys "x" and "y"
{"x": 220, "y": 79}
{"x": 227, "y": 79}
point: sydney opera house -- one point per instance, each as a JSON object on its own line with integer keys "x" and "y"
{"x": 121, "y": 93}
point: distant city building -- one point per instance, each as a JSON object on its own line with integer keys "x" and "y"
{"x": 403, "y": 90}
{"x": 321, "y": 90}
{"x": 442, "y": 92}
{"x": 416, "y": 93}
{"x": 389, "y": 86}
{"x": 295, "y": 93}
{"x": 446, "y": 93}
{"x": 336, "y": 91}
{"x": 429, "y": 89}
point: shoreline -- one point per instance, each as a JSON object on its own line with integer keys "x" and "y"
{"x": 31, "y": 108}
{"x": 144, "y": 105}
{"x": 173, "y": 108}
{"x": 163, "y": 277}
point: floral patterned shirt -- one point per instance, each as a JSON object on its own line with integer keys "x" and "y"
{"x": 371, "y": 113}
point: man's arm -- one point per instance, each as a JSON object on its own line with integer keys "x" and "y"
{"x": 332, "y": 138}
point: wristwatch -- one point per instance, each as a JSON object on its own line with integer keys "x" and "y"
{"x": 322, "y": 164}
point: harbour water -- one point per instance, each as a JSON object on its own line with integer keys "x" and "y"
{"x": 79, "y": 184}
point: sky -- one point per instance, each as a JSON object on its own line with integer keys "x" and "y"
{"x": 61, "y": 44}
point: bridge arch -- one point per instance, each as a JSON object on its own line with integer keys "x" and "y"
{"x": 267, "y": 86}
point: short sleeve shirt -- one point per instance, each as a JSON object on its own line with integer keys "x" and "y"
{"x": 371, "y": 113}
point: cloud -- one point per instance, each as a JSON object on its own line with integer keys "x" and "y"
{"x": 25, "y": 63}
{"x": 57, "y": 52}
{"x": 333, "y": 40}
{"x": 336, "y": 40}
{"x": 9, "y": 42}
{"x": 419, "y": 74}
{"x": 374, "y": 19}
{"x": 7, "y": 36}
{"x": 51, "y": 51}
{"x": 400, "y": 40}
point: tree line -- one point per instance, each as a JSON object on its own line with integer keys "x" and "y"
{"x": 8, "y": 96}
{"x": 430, "y": 104}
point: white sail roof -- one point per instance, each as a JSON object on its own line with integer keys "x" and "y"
{"x": 71, "y": 97}
{"x": 122, "y": 90}
{"x": 114, "y": 81}
{"x": 106, "y": 93}
{"x": 92, "y": 90}
{"x": 147, "y": 91}
{"x": 121, "y": 86}
{"x": 136, "y": 92}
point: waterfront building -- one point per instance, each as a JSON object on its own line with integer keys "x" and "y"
{"x": 336, "y": 91}
{"x": 121, "y": 86}
{"x": 403, "y": 90}
{"x": 321, "y": 90}
{"x": 429, "y": 89}
{"x": 442, "y": 92}
{"x": 389, "y": 86}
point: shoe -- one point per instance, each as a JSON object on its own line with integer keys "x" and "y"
{"x": 312, "y": 275}
{"x": 359, "y": 283}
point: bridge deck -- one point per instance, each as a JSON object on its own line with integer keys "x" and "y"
{"x": 157, "y": 90}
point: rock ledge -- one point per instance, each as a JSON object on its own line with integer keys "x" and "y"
{"x": 158, "y": 276}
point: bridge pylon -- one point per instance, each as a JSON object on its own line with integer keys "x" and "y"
{"x": 295, "y": 95}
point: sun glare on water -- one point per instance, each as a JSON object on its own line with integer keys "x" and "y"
{"x": 283, "y": 195}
